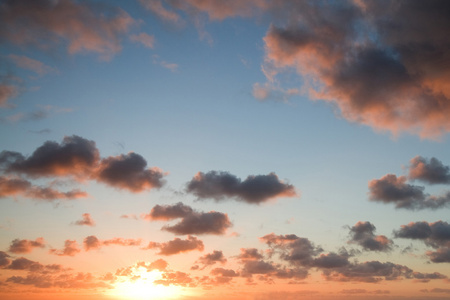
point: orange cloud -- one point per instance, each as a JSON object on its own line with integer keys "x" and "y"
{"x": 13, "y": 186}
{"x": 70, "y": 249}
{"x": 87, "y": 220}
{"x": 26, "y": 246}
{"x": 92, "y": 242}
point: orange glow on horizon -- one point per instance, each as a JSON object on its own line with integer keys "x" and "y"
{"x": 140, "y": 286}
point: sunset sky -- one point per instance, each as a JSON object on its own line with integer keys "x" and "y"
{"x": 195, "y": 149}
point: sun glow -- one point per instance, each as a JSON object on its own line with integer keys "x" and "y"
{"x": 140, "y": 285}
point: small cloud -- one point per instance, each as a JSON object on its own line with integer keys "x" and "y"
{"x": 26, "y": 246}
{"x": 212, "y": 258}
{"x": 70, "y": 249}
{"x": 92, "y": 242}
{"x": 144, "y": 39}
{"x": 170, "y": 66}
{"x": 87, "y": 220}
{"x": 27, "y": 63}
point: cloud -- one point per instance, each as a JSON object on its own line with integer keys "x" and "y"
{"x": 253, "y": 190}
{"x": 175, "y": 278}
{"x": 177, "y": 246}
{"x": 70, "y": 249}
{"x": 431, "y": 171}
{"x": 78, "y": 158}
{"x": 129, "y": 172}
{"x": 224, "y": 272}
{"x": 14, "y": 186}
{"x": 393, "y": 189}
{"x": 167, "y": 65}
{"x": 27, "y": 63}
{"x": 159, "y": 264}
{"x": 375, "y": 271}
{"x": 59, "y": 279}
{"x": 347, "y": 54}
{"x": 92, "y": 242}
{"x": 75, "y": 156}
{"x": 192, "y": 222}
{"x": 23, "y": 263}
{"x": 436, "y": 235}
{"x": 26, "y": 246}
{"x": 87, "y": 220}
{"x": 291, "y": 248}
{"x": 331, "y": 260}
{"x": 83, "y": 27}
{"x": 250, "y": 254}
{"x": 201, "y": 223}
{"x": 212, "y": 258}
{"x": 144, "y": 39}
{"x": 7, "y": 92}
{"x": 159, "y": 10}
{"x": 4, "y": 259}
{"x": 169, "y": 212}
{"x": 362, "y": 233}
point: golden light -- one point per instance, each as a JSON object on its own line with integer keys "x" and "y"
{"x": 140, "y": 286}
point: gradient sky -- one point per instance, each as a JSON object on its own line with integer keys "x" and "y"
{"x": 224, "y": 149}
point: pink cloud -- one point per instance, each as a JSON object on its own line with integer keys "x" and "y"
{"x": 87, "y": 220}
{"x": 79, "y": 25}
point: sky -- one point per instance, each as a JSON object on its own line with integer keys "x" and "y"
{"x": 232, "y": 149}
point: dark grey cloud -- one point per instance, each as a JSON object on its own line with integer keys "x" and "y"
{"x": 201, "y": 223}
{"x": 331, "y": 260}
{"x": 192, "y": 222}
{"x": 431, "y": 171}
{"x": 129, "y": 172}
{"x": 169, "y": 212}
{"x": 78, "y": 158}
{"x": 393, "y": 189}
{"x": 293, "y": 249}
{"x": 75, "y": 156}
{"x": 254, "y": 189}
{"x": 435, "y": 235}
{"x": 363, "y": 234}
{"x": 375, "y": 271}
{"x": 367, "y": 58}
{"x": 212, "y": 258}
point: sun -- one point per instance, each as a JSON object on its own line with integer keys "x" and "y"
{"x": 140, "y": 286}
